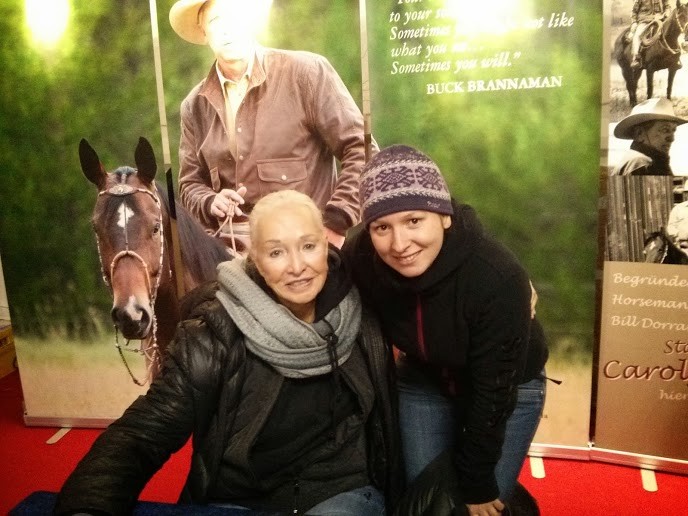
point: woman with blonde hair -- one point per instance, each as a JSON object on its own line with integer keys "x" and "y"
{"x": 281, "y": 378}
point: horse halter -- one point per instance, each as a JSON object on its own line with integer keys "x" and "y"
{"x": 151, "y": 351}
{"x": 681, "y": 26}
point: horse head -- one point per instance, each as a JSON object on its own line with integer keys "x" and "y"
{"x": 128, "y": 223}
{"x": 666, "y": 32}
{"x": 681, "y": 13}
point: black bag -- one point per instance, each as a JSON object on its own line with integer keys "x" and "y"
{"x": 435, "y": 492}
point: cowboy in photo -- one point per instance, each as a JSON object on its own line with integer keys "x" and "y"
{"x": 263, "y": 120}
{"x": 651, "y": 125}
{"x": 644, "y": 13}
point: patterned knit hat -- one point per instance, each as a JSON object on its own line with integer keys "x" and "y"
{"x": 400, "y": 178}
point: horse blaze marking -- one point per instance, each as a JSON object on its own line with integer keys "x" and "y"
{"x": 125, "y": 213}
{"x": 134, "y": 313}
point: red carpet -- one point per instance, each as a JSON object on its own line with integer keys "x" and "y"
{"x": 570, "y": 487}
{"x": 28, "y": 464}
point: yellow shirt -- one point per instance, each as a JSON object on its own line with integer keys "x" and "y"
{"x": 234, "y": 92}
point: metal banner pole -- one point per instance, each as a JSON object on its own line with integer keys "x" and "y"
{"x": 176, "y": 250}
{"x": 159, "y": 84}
{"x": 365, "y": 79}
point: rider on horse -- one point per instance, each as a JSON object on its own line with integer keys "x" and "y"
{"x": 643, "y": 14}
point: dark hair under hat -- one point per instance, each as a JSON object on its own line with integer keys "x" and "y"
{"x": 401, "y": 178}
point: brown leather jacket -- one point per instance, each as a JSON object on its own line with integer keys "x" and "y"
{"x": 296, "y": 117}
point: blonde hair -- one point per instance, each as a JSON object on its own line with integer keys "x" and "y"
{"x": 273, "y": 203}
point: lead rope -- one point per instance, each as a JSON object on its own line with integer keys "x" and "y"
{"x": 228, "y": 220}
{"x": 124, "y": 360}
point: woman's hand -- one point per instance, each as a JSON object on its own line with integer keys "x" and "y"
{"x": 493, "y": 508}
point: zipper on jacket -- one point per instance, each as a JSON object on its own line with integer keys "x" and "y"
{"x": 297, "y": 488}
{"x": 422, "y": 350}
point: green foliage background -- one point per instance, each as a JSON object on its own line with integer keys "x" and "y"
{"x": 527, "y": 160}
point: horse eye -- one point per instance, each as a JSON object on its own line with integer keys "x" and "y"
{"x": 156, "y": 228}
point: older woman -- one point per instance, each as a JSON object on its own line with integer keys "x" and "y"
{"x": 279, "y": 376}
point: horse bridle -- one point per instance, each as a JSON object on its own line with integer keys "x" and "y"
{"x": 151, "y": 351}
{"x": 681, "y": 27}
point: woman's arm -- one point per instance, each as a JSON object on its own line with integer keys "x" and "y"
{"x": 499, "y": 330}
{"x": 131, "y": 450}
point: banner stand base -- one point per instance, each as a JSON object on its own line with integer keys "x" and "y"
{"x": 537, "y": 467}
{"x": 559, "y": 451}
{"x": 649, "y": 480}
{"x": 58, "y": 435}
{"x": 643, "y": 462}
{"x": 66, "y": 422}
{"x": 646, "y": 462}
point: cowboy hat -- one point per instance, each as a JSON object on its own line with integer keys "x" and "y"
{"x": 185, "y": 22}
{"x": 650, "y": 109}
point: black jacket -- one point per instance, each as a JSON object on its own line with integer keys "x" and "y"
{"x": 465, "y": 321}
{"x": 209, "y": 387}
{"x": 643, "y": 160}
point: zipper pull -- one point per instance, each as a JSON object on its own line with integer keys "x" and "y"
{"x": 296, "y": 497}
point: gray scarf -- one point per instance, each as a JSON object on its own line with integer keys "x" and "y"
{"x": 293, "y": 347}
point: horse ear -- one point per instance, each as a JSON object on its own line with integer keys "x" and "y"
{"x": 145, "y": 160}
{"x": 90, "y": 164}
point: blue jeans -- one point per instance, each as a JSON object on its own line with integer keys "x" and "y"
{"x": 429, "y": 425}
{"x": 364, "y": 501}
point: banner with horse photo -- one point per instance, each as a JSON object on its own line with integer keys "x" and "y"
{"x": 642, "y": 373}
{"x": 506, "y": 99}
{"x": 91, "y": 278}
{"x": 74, "y": 382}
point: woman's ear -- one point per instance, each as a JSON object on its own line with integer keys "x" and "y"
{"x": 446, "y": 221}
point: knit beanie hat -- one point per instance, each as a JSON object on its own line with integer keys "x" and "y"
{"x": 401, "y": 178}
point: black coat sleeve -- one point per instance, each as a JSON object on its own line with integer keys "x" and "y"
{"x": 132, "y": 449}
{"x": 499, "y": 333}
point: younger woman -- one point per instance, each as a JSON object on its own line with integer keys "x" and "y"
{"x": 456, "y": 304}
